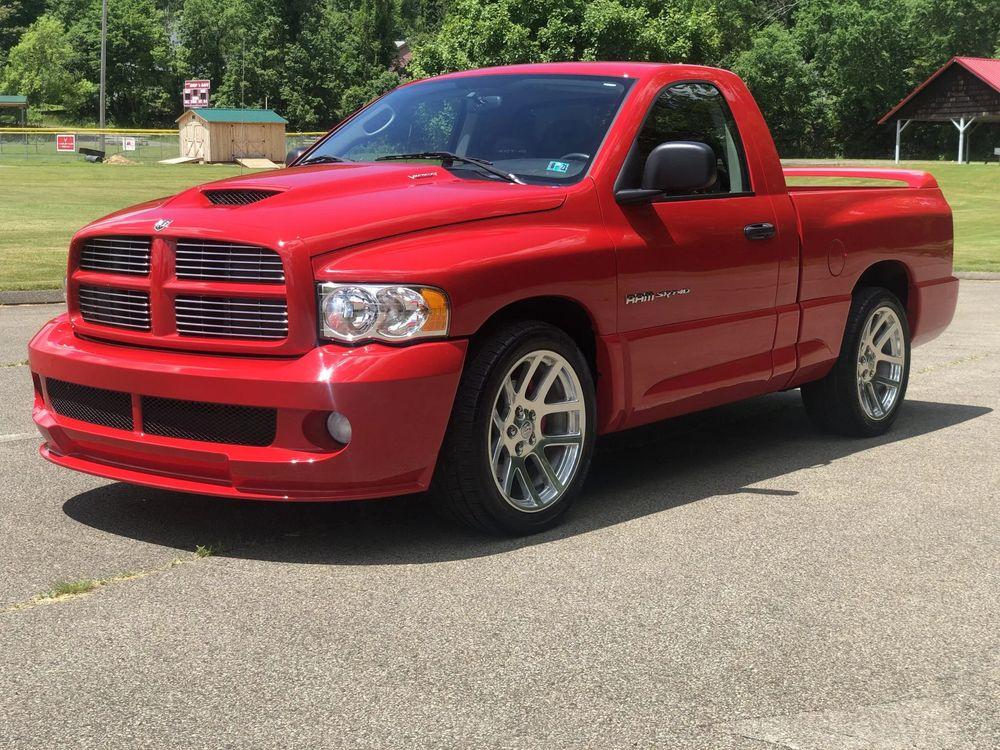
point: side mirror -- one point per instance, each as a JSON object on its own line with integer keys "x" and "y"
{"x": 294, "y": 154}
{"x": 674, "y": 167}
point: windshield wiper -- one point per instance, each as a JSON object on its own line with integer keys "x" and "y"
{"x": 321, "y": 159}
{"x": 447, "y": 157}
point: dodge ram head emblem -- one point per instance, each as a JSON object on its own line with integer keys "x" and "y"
{"x": 162, "y": 224}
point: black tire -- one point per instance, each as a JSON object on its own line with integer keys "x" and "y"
{"x": 835, "y": 402}
{"x": 464, "y": 489}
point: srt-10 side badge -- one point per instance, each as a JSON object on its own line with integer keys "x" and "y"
{"x": 637, "y": 297}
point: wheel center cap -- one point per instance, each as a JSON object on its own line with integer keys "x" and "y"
{"x": 527, "y": 430}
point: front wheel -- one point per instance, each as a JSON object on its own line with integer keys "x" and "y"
{"x": 521, "y": 434}
{"x": 863, "y": 392}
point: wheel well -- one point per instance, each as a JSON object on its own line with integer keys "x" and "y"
{"x": 565, "y": 314}
{"x": 890, "y": 274}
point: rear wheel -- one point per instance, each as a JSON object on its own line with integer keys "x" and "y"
{"x": 521, "y": 434}
{"x": 863, "y": 392}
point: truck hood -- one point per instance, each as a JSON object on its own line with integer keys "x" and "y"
{"x": 316, "y": 209}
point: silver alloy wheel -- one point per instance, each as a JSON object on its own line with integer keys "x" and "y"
{"x": 536, "y": 433}
{"x": 881, "y": 361}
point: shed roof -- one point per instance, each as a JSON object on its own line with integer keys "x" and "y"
{"x": 13, "y": 99}
{"x": 985, "y": 69}
{"x": 218, "y": 114}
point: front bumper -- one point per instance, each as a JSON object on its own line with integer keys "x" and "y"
{"x": 398, "y": 400}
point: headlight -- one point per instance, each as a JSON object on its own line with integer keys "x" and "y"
{"x": 357, "y": 312}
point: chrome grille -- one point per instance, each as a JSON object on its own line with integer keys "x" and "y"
{"x": 226, "y": 317}
{"x": 224, "y": 261}
{"x": 121, "y": 308}
{"x": 116, "y": 255}
{"x": 237, "y": 197}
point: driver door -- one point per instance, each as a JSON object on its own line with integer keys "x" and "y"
{"x": 696, "y": 289}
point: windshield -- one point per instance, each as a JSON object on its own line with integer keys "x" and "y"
{"x": 540, "y": 128}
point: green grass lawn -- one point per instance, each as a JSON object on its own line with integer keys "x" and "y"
{"x": 42, "y": 205}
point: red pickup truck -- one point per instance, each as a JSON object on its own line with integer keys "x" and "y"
{"x": 467, "y": 281}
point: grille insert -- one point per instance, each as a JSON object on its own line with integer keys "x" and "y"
{"x": 224, "y": 261}
{"x": 225, "y": 317}
{"x": 128, "y": 255}
{"x": 121, "y": 308}
{"x": 212, "y": 423}
{"x": 237, "y": 197}
{"x": 94, "y": 405}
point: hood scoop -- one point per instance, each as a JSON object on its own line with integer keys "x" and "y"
{"x": 237, "y": 196}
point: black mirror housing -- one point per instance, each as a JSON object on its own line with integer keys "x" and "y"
{"x": 294, "y": 154}
{"x": 680, "y": 167}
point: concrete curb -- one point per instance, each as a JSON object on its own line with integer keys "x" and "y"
{"x": 49, "y": 296}
{"x": 32, "y": 297}
{"x": 978, "y": 275}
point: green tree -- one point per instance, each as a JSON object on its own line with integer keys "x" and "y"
{"x": 862, "y": 53}
{"x": 502, "y": 32}
{"x": 314, "y": 81}
{"x": 209, "y": 34}
{"x": 142, "y": 85}
{"x": 15, "y": 17}
{"x": 787, "y": 90}
{"x": 369, "y": 54}
{"x": 945, "y": 28}
{"x": 42, "y": 67}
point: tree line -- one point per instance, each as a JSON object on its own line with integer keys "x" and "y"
{"x": 823, "y": 71}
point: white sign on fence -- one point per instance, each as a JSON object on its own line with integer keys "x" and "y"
{"x": 128, "y": 143}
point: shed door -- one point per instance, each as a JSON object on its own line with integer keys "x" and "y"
{"x": 251, "y": 140}
{"x": 193, "y": 139}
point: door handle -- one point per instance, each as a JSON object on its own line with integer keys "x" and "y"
{"x": 762, "y": 231}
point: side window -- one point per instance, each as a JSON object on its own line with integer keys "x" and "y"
{"x": 696, "y": 112}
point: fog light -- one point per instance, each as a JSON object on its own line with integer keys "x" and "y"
{"x": 339, "y": 427}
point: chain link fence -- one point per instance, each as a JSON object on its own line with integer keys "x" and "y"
{"x": 25, "y": 147}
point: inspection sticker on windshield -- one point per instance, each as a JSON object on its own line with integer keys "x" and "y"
{"x": 558, "y": 166}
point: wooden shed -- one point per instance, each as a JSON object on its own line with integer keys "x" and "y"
{"x": 225, "y": 135}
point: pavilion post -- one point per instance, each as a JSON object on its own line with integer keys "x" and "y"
{"x": 962, "y": 126}
{"x": 900, "y": 127}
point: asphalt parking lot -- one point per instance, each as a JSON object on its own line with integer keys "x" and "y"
{"x": 729, "y": 580}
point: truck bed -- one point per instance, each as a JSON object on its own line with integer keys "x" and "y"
{"x": 904, "y": 226}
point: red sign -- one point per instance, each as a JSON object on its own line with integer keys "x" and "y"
{"x": 196, "y": 93}
{"x": 66, "y": 142}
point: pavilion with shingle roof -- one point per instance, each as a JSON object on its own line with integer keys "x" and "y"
{"x": 965, "y": 91}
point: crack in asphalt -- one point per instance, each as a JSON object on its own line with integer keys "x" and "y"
{"x": 43, "y": 599}
{"x": 952, "y": 363}
{"x": 15, "y": 436}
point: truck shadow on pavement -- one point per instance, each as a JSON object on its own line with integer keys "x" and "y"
{"x": 724, "y": 451}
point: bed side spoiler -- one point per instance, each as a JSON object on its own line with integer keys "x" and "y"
{"x": 912, "y": 177}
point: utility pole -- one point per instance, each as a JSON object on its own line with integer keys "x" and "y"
{"x": 104, "y": 65}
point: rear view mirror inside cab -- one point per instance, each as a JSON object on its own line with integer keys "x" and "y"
{"x": 379, "y": 120}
